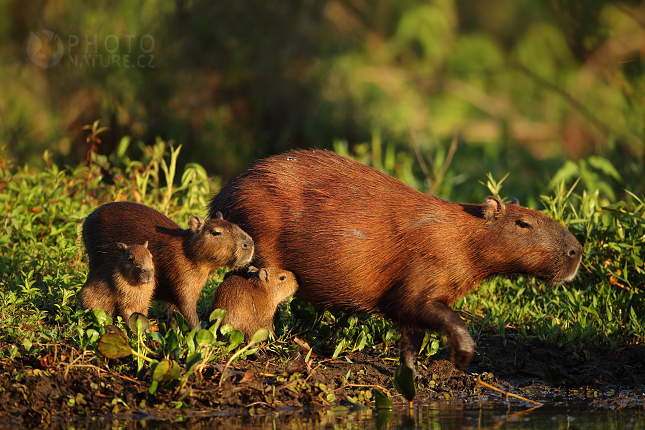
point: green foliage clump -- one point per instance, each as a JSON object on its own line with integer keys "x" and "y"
{"x": 43, "y": 267}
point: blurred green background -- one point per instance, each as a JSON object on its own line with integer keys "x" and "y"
{"x": 546, "y": 91}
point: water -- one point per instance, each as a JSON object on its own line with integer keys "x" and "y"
{"x": 448, "y": 415}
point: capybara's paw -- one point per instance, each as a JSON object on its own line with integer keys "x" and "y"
{"x": 461, "y": 358}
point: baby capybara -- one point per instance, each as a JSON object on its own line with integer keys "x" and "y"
{"x": 183, "y": 259}
{"x": 122, "y": 287}
{"x": 361, "y": 241}
{"x": 251, "y": 302}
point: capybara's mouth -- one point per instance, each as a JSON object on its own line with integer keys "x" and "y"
{"x": 146, "y": 279}
{"x": 243, "y": 262}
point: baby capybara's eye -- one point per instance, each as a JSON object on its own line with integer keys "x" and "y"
{"x": 523, "y": 224}
{"x": 216, "y": 232}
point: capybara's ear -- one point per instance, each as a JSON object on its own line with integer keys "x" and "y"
{"x": 514, "y": 201}
{"x": 196, "y": 224}
{"x": 145, "y": 244}
{"x": 122, "y": 247}
{"x": 493, "y": 208}
{"x": 264, "y": 275}
{"x": 218, "y": 215}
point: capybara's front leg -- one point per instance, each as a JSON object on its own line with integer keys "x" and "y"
{"x": 188, "y": 308}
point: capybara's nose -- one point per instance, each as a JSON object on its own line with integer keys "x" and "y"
{"x": 575, "y": 250}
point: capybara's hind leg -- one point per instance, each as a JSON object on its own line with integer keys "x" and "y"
{"x": 437, "y": 316}
{"x": 410, "y": 345}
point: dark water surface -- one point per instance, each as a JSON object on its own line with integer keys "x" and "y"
{"x": 452, "y": 415}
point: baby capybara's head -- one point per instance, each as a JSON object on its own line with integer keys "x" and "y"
{"x": 135, "y": 264}
{"x": 280, "y": 283}
{"x": 530, "y": 241}
{"x": 219, "y": 242}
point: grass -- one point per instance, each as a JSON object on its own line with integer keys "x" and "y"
{"x": 43, "y": 266}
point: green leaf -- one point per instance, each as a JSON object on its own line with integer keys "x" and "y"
{"x": 136, "y": 317}
{"x": 217, "y": 314}
{"x": 260, "y": 336}
{"x": 91, "y": 336}
{"x": 204, "y": 337}
{"x": 175, "y": 371}
{"x": 172, "y": 341}
{"x": 381, "y": 401}
{"x": 162, "y": 371}
{"x": 154, "y": 385}
{"x": 113, "y": 345}
{"x": 101, "y": 318}
{"x": 604, "y": 165}
{"x": 155, "y": 335}
{"x": 404, "y": 382}
{"x": 235, "y": 340}
{"x": 183, "y": 325}
{"x": 339, "y": 348}
{"x": 192, "y": 360}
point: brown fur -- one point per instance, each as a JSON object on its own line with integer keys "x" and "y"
{"x": 251, "y": 302}
{"x": 183, "y": 259}
{"x": 122, "y": 287}
{"x": 359, "y": 240}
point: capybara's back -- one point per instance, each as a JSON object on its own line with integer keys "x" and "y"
{"x": 359, "y": 240}
{"x": 123, "y": 286}
{"x": 119, "y": 220}
{"x": 251, "y": 302}
{"x": 183, "y": 259}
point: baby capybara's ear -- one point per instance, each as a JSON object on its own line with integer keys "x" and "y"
{"x": 122, "y": 247}
{"x": 263, "y": 275}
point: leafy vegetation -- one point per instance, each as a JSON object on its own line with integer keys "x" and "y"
{"x": 43, "y": 267}
{"x": 522, "y": 81}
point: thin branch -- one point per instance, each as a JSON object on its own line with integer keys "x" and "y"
{"x": 446, "y": 164}
{"x": 507, "y": 393}
{"x": 420, "y": 160}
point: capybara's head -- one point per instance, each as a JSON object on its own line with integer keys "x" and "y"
{"x": 135, "y": 263}
{"x": 280, "y": 283}
{"x": 530, "y": 242}
{"x": 219, "y": 242}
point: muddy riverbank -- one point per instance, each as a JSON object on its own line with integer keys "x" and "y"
{"x": 33, "y": 393}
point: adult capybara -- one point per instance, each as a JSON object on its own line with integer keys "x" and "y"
{"x": 251, "y": 302}
{"x": 122, "y": 287}
{"x": 359, "y": 240}
{"x": 183, "y": 259}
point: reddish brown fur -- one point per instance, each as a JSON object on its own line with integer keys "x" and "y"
{"x": 358, "y": 240}
{"x": 183, "y": 259}
{"x": 251, "y": 302}
{"x": 122, "y": 287}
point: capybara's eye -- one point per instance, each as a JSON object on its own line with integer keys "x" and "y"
{"x": 215, "y": 232}
{"x": 131, "y": 257}
{"x": 282, "y": 278}
{"x": 523, "y": 224}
